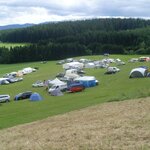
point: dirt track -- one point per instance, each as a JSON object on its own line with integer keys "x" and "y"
{"x": 110, "y": 126}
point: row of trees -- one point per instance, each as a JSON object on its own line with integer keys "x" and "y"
{"x": 53, "y": 31}
{"x": 67, "y": 39}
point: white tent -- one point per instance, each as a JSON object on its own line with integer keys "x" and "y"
{"x": 82, "y": 60}
{"x": 118, "y": 60}
{"x": 27, "y": 70}
{"x": 56, "y": 81}
{"x": 56, "y": 92}
{"x": 138, "y": 73}
{"x": 73, "y": 65}
{"x": 71, "y": 73}
{"x": 90, "y": 65}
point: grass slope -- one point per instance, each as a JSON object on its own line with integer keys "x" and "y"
{"x": 111, "y": 88}
{"x": 110, "y": 126}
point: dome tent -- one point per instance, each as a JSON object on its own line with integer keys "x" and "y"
{"x": 56, "y": 92}
{"x": 138, "y": 73}
{"x": 35, "y": 97}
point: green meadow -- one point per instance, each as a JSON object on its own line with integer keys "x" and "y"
{"x": 115, "y": 87}
{"x": 8, "y": 45}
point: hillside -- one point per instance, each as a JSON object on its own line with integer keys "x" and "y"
{"x": 15, "y": 26}
{"x": 69, "y": 29}
{"x": 115, "y": 125}
{"x": 59, "y": 40}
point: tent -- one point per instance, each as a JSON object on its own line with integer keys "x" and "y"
{"x": 82, "y": 60}
{"x": 87, "y": 81}
{"x": 90, "y": 65}
{"x": 56, "y": 81}
{"x": 138, "y": 73}
{"x": 73, "y": 65}
{"x": 28, "y": 70}
{"x": 35, "y": 97}
{"x": 148, "y": 74}
{"x": 71, "y": 73}
{"x": 56, "y": 92}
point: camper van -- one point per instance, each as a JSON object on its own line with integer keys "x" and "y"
{"x": 62, "y": 87}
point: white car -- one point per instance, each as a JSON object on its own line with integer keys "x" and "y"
{"x": 62, "y": 87}
{"x": 38, "y": 84}
{"x": 4, "y": 98}
{"x": 113, "y": 69}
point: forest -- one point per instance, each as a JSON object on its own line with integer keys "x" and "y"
{"x": 59, "y": 40}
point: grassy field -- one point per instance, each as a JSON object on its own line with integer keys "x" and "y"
{"x": 8, "y": 45}
{"x": 123, "y": 125}
{"x": 111, "y": 88}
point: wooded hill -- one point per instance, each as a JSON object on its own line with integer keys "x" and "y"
{"x": 59, "y": 40}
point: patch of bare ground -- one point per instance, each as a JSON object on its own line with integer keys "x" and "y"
{"x": 111, "y": 126}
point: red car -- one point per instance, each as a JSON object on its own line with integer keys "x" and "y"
{"x": 76, "y": 87}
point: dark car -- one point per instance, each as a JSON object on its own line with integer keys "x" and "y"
{"x": 24, "y": 95}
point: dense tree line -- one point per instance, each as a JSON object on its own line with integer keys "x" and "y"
{"x": 76, "y": 38}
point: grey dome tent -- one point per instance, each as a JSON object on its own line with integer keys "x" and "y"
{"x": 56, "y": 92}
{"x": 138, "y": 73}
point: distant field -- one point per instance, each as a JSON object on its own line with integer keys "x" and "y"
{"x": 114, "y": 87}
{"x": 8, "y": 45}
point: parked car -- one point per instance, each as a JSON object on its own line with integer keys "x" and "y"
{"x": 112, "y": 70}
{"x": 13, "y": 80}
{"x": 62, "y": 87}
{"x": 75, "y": 87}
{"x": 38, "y": 84}
{"x": 4, "y": 98}
{"x": 24, "y": 95}
{"x": 3, "y": 81}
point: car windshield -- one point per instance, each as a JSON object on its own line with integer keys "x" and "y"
{"x": 19, "y": 94}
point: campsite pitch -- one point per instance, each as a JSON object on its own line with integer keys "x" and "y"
{"x": 114, "y": 87}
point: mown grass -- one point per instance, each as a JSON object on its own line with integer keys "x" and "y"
{"x": 111, "y": 88}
